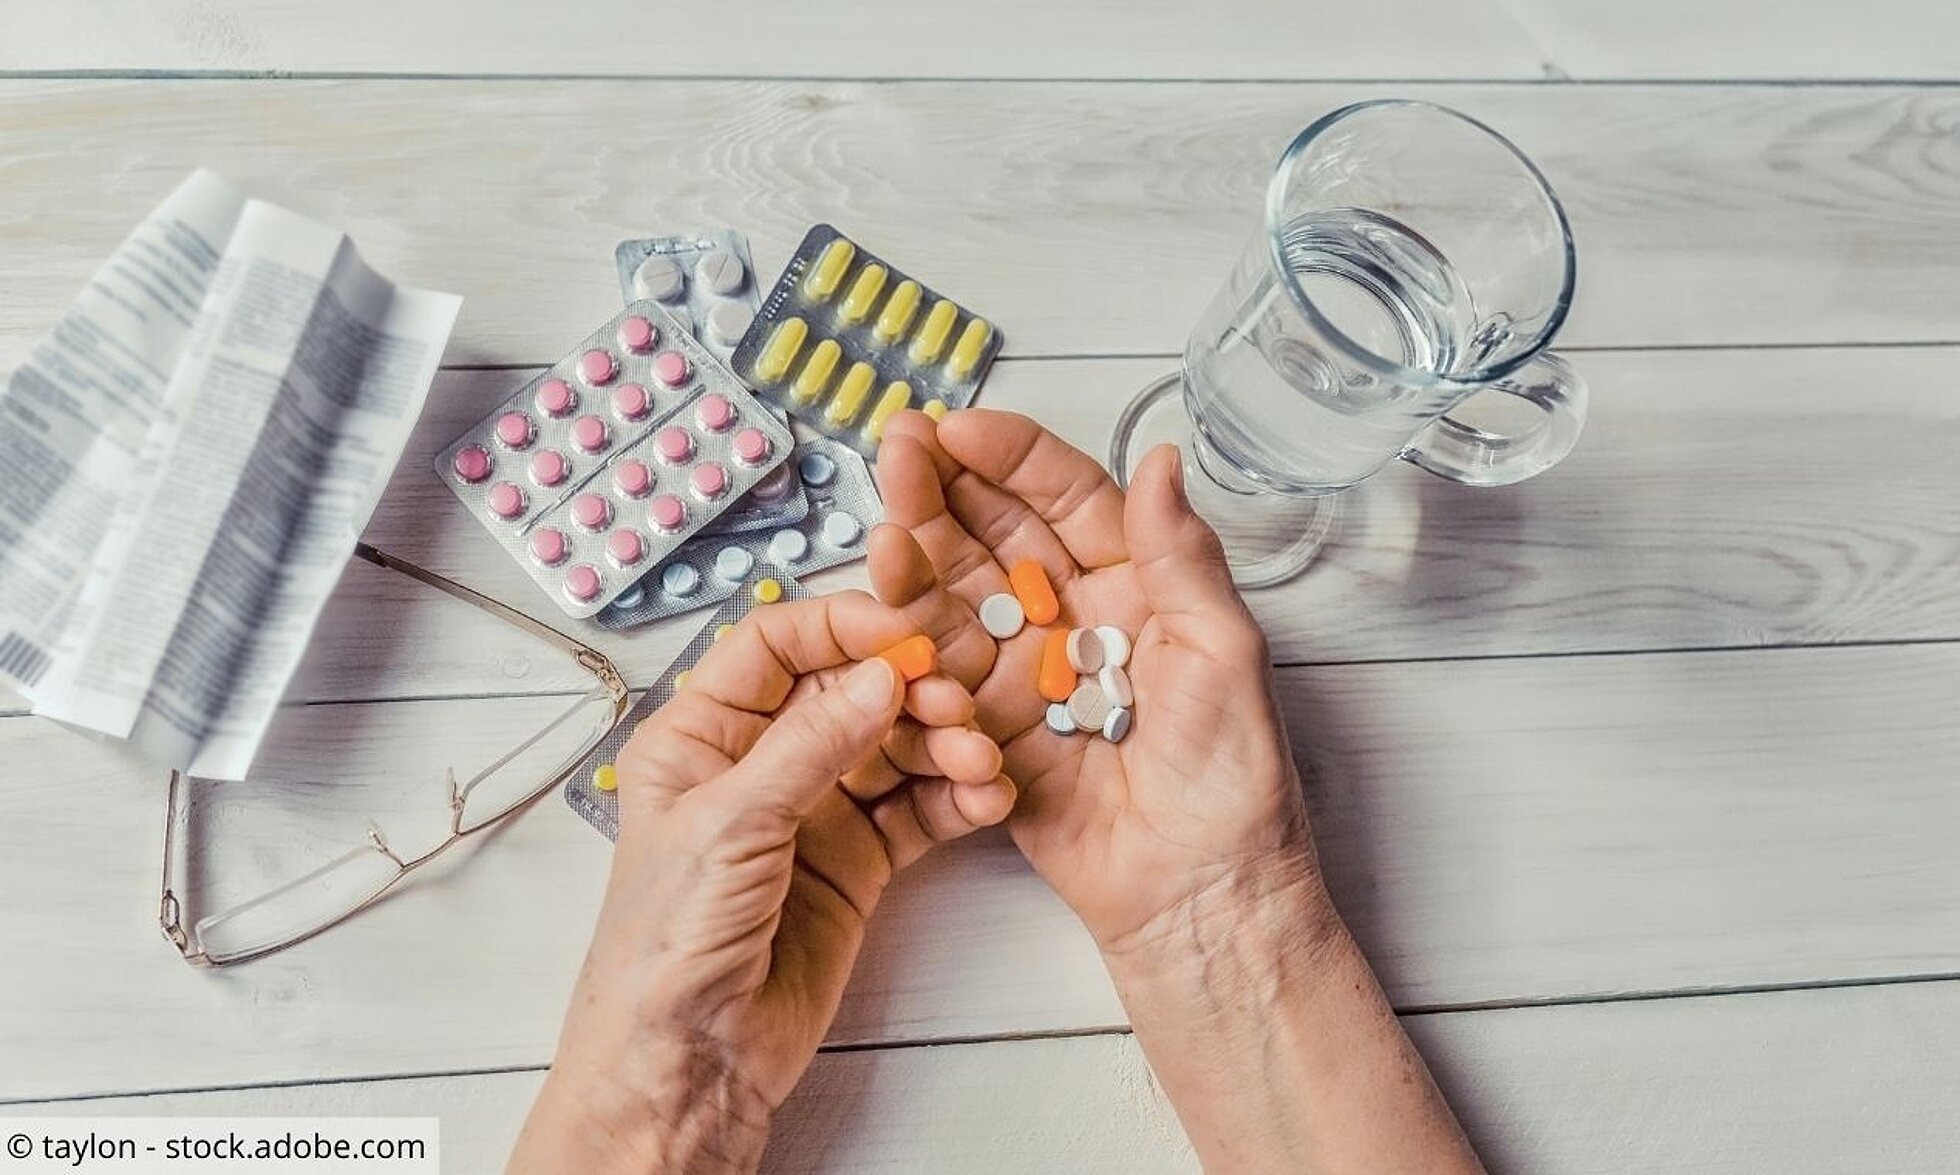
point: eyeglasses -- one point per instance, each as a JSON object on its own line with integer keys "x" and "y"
{"x": 348, "y": 884}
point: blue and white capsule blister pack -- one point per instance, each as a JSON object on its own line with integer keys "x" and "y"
{"x": 600, "y": 467}
{"x": 707, "y": 281}
{"x": 592, "y": 789}
{"x": 844, "y": 340}
{"x": 707, "y": 569}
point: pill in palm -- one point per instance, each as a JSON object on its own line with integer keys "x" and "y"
{"x": 1058, "y": 718}
{"x": 1115, "y": 685}
{"x": 1002, "y": 615}
{"x": 1056, "y": 677}
{"x": 1087, "y": 706}
{"x": 1085, "y": 650}
{"x": 1037, "y": 595}
{"x": 1115, "y": 645}
{"x": 913, "y": 657}
{"x": 1116, "y": 725}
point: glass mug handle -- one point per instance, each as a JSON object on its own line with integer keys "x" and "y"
{"x": 1475, "y": 457}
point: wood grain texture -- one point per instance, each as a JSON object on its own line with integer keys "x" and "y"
{"x": 1708, "y": 505}
{"x": 1084, "y": 222}
{"x": 1522, "y": 39}
{"x": 1496, "y": 831}
{"x": 1800, "y": 1083}
{"x": 780, "y": 38}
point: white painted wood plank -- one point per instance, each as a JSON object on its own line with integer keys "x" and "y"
{"x": 1523, "y": 39}
{"x": 1085, "y": 221}
{"x": 1690, "y": 39}
{"x": 1800, "y": 1083}
{"x": 1496, "y": 831}
{"x": 1718, "y": 499}
{"x": 778, "y": 38}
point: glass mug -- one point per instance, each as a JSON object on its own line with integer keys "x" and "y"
{"x": 1410, "y": 258}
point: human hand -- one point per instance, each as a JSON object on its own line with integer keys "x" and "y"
{"x": 763, "y": 810}
{"x": 1197, "y": 816}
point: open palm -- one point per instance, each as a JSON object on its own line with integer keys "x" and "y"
{"x": 1204, "y": 788}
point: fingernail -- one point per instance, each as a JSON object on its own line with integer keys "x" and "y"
{"x": 1177, "y": 474}
{"x": 870, "y": 684}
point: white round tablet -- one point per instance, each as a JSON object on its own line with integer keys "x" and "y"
{"x": 1116, "y": 725}
{"x": 728, "y": 322}
{"x": 630, "y": 598}
{"x": 1087, "y": 706}
{"x": 788, "y": 546}
{"x": 1116, "y": 645}
{"x": 1002, "y": 615}
{"x": 817, "y": 468}
{"x": 842, "y": 529}
{"x": 1058, "y": 719}
{"x": 721, "y": 271}
{"x": 679, "y": 579}
{"x": 1085, "y": 651}
{"x": 659, "y": 277}
{"x": 1116, "y": 686}
{"x": 732, "y": 563}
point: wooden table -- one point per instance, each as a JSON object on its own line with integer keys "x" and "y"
{"x": 1640, "y": 782}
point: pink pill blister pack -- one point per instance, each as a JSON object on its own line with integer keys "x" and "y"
{"x": 597, "y": 469}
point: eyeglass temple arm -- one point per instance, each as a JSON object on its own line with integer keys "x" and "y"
{"x": 586, "y": 655}
{"x": 170, "y": 911}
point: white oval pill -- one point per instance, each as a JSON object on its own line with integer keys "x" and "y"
{"x": 1085, "y": 650}
{"x": 1116, "y": 645}
{"x": 733, "y": 563}
{"x": 1116, "y": 686}
{"x": 1087, "y": 706}
{"x": 842, "y": 529}
{"x": 680, "y": 579}
{"x": 659, "y": 277}
{"x": 1059, "y": 720}
{"x": 788, "y": 546}
{"x": 1002, "y": 615}
{"x": 1116, "y": 725}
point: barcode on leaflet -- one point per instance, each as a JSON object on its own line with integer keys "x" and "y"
{"x": 22, "y": 659}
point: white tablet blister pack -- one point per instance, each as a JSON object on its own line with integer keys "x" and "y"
{"x": 601, "y": 466}
{"x": 707, "y": 569}
{"x": 592, "y": 789}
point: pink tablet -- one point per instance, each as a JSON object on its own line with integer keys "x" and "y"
{"x": 673, "y": 444}
{"x": 548, "y": 467}
{"x": 625, "y": 547}
{"x": 582, "y": 583}
{"x": 714, "y": 412}
{"x": 556, "y": 398}
{"x": 667, "y": 513}
{"x": 514, "y": 430}
{"x": 709, "y": 480}
{"x": 505, "y": 500}
{"x": 591, "y": 511}
{"x": 597, "y": 367}
{"x": 631, "y": 401}
{"x": 472, "y": 463}
{"x": 589, "y": 433}
{"x": 670, "y": 368}
{"x": 633, "y": 478}
{"x": 637, "y": 334}
{"x": 548, "y": 546}
{"x": 751, "y": 447}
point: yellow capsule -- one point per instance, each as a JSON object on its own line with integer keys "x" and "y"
{"x": 605, "y": 777}
{"x": 930, "y": 342}
{"x": 780, "y": 351}
{"x": 680, "y": 680}
{"x": 828, "y": 273}
{"x": 897, "y": 314}
{"x": 851, "y": 393}
{"x": 723, "y": 630}
{"x": 966, "y": 352}
{"x": 768, "y": 590}
{"x": 935, "y": 409}
{"x": 898, "y": 394}
{"x": 864, "y": 294}
{"x": 817, "y": 372}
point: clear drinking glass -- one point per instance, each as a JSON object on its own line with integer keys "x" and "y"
{"x": 1410, "y": 258}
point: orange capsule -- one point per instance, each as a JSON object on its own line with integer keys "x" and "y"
{"x": 1056, "y": 680}
{"x": 1037, "y": 595}
{"x": 913, "y": 657}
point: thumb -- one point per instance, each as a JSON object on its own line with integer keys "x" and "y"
{"x": 1179, "y": 561}
{"x": 819, "y": 739}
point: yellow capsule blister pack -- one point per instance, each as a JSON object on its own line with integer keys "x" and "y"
{"x": 844, "y": 340}
{"x": 592, "y": 789}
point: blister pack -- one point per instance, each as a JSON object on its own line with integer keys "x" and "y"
{"x": 707, "y": 280}
{"x": 707, "y": 569}
{"x": 602, "y": 465}
{"x": 592, "y": 789}
{"x": 844, "y": 340}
